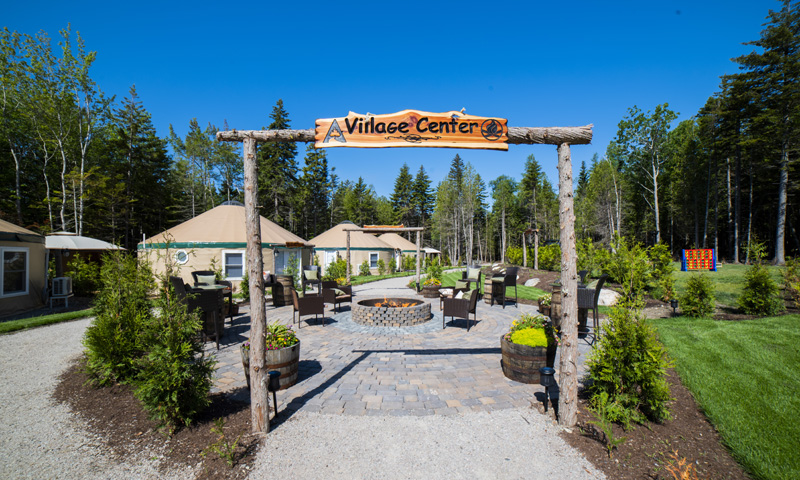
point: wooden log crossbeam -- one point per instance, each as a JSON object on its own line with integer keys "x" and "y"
{"x": 516, "y": 135}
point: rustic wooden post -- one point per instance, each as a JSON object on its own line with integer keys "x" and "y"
{"x": 536, "y": 249}
{"x": 524, "y": 249}
{"x": 348, "y": 258}
{"x": 568, "y": 367}
{"x": 418, "y": 243}
{"x": 259, "y": 411}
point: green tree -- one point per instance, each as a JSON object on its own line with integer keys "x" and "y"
{"x": 402, "y": 197}
{"x": 641, "y": 145}
{"x": 772, "y": 73}
{"x": 315, "y": 186}
{"x": 277, "y": 171}
{"x": 504, "y": 196}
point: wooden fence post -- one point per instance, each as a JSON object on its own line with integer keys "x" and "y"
{"x": 259, "y": 411}
{"x": 568, "y": 368}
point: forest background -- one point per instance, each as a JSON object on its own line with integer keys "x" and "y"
{"x": 76, "y": 159}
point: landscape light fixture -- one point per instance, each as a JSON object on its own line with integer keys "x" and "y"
{"x": 547, "y": 379}
{"x": 674, "y": 304}
{"x": 273, "y": 386}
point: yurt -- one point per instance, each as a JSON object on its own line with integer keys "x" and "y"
{"x": 401, "y": 247}
{"x": 332, "y": 243}
{"x": 23, "y": 271}
{"x": 219, "y": 236}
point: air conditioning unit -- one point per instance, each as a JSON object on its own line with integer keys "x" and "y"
{"x": 62, "y": 286}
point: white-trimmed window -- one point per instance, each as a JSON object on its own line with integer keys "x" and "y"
{"x": 233, "y": 264}
{"x": 181, "y": 257}
{"x": 14, "y": 271}
{"x": 373, "y": 259}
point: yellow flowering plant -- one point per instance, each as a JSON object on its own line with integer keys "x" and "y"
{"x": 278, "y": 336}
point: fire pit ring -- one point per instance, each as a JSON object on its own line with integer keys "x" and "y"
{"x": 407, "y": 312}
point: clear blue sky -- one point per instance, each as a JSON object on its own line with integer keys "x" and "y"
{"x": 538, "y": 64}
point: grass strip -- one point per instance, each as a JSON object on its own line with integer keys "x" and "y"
{"x": 744, "y": 376}
{"x": 33, "y": 322}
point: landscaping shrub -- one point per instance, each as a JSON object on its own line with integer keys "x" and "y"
{"x": 629, "y": 364}
{"x": 174, "y": 379}
{"x": 550, "y": 257}
{"x": 85, "y": 276}
{"x": 760, "y": 295}
{"x": 791, "y": 279}
{"x": 392, "y": 266}
{"x": 244, "y": 286}
{"x": 336, "y": 269}
{"x": 363, "y": 270}
{"x": 293, "y": 269}
{"x": 514, "y": 255}
{"x": 381, "y": 266}
{"x": 698, "y": 299}
{"x": 663, "y": 271}
{"x": 588, "y": 258}
{"x": 114, "y": 339}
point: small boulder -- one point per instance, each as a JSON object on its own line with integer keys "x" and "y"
{"x": 608, "y": 297}
{"x": 532, "y": 282}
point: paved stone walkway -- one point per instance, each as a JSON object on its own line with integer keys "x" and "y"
{"x": 360, "y": 371}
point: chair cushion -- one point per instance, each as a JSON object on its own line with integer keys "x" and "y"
{"x": 460, "y": 294}
{"x": 473, "y": 272}
{"x": 498, "y": 279}
{"x": 207, "y": 279}
{"x": 461, "y": 284}
{"x": 468, "y": 294}
{"x": 339, "y": 292}
{"x": 310, "y": 274}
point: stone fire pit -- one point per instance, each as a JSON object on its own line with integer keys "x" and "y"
{"x": 391, "y": 312}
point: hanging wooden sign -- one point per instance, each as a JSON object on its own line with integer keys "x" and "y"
{"x": 412, "y": 128}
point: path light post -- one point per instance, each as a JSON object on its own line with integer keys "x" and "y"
{"x": 547, "y": 379}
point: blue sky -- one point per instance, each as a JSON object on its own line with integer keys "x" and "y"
{"x": 538, "y": 64}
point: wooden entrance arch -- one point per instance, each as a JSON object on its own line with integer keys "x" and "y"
{"x": 562, "y": 137}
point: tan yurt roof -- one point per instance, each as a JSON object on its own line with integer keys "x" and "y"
{"x": 72, "y": 241}
{"x": 336, "y": 238}
{"x": 224, "y": 225}
{"x": 14, "y": 233}
{"x": 398, "y": 242}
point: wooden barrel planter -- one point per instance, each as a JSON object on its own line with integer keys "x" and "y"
{"x": 285, "y": 360}
{"x": 431, "y": 291}
{"x": 282, "y": 291}
{"x": 521, "y": 363}
{"x": 487, "y": 289}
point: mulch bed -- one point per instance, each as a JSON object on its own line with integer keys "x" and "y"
{"x": 116, "y": 415}
{"x": 649, "y": 450}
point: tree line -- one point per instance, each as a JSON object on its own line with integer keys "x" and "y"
{"x": 81, "y": 161}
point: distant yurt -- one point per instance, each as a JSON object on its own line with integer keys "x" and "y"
{"x": 401, "y": 247}
{"x": 23, "y": 270}
{"x": 219, "y": 235}
{"x": 363, "y": 246}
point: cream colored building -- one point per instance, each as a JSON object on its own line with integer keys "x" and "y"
{"x": 332, "y": 244}
{"x": 23, "y": 269}
{"x": 220, "y": 235}
{"x": 401, "y": 247}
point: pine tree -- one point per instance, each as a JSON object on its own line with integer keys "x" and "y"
{"x": 421, "y": 199}
{"x": 141, "y": 168}
{"x": 772, "y": 73}
{"x": 315, "y": 188}
{"x": 277, "y": 171}
{"x": 402, "y": 197}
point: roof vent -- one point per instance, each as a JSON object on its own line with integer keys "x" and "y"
{"x": 233, "y": 202}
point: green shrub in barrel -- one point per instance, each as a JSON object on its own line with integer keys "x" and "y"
{"x": 529, "y": 345}
{"x": 282, "y": 353}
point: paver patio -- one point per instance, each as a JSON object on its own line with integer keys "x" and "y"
{"x": 354, "y": 370}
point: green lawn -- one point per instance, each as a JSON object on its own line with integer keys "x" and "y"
{"x": 744, "y": 376}
{"x": 728, "y": 280}
{"x": 529, "y": 293}
{"x": 25, "y": 323}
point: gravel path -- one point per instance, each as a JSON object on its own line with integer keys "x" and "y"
{"x": 42, "y": 439}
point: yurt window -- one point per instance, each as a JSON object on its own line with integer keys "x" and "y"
{"x": 233, "y": 263}
{"x": 181, "y": 257}
{"x": 373, "y": 260}
{"x": 14, "y": 271}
